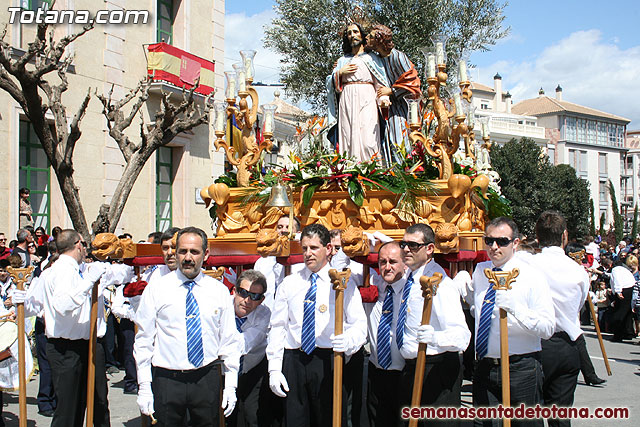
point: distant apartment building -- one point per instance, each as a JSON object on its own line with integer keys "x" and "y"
{"x": 632, "y": 169}
{"x": 591, "y": 141}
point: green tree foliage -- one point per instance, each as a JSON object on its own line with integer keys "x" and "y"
{"x": 634, "y": 226}
{"x": 308, "y": 34}
{"x": 601, "y": 230}
{"x": 533, "y": 185}
{"x": 592, "y": 218}
{"x": 618, "y": 221}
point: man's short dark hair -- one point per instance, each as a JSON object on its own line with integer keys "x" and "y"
{"x": 383, "y": 36}
{"x": 168, "y": 234}
{"x": 389, "y": 244}
{"x": 318, "y": 230}
{"x": 427, "y": 232}
{"x": 335, "y": 233}
{"x": 22, "y": 235}
{"x": 549, "y": 228}
{"x": 346, "y": 46}
{"x": 4, "y": 263}
{"x": 66, "y": 240}
{"x": 296, "y": 221}
{"x": 52, "y": 247}
{"x": 254, "y": 277}
{"x": 155, "y": 236}
{"x": 503, "y": 220}
{"x": 194, "y": 230}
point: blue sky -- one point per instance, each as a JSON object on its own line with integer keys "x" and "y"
{"x": 590, "y": 48}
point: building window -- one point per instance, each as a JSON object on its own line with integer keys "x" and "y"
{"x": 35, "y": 174}
{"x": 551, "y": 153}
{"x": 573, "y": 161}
{"x": 581, "y": 129}
{"x": 484, "y": 105}
{"x": 602, "y": 133}
{"x": 164, "y": 21}
{"x": 602, "y": 164}
{"x": 591, "y": 132}
{"x": 164, "y": 184}
{"x": 582, "y": 164}
{"x": 603, "y": 193}
{"x": 36, "y": 4}
{"x": 570, "y": 129}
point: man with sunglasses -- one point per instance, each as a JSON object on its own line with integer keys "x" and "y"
{"x": 569, "y": 285}
{"x": 302, "y": 340}
{"x": 66, "y": 302}
{"x": 447, "y": 334}
{"x": 255, "y": 400}
{"x": 4, "y": 250}
{"x": 530, "y": 315}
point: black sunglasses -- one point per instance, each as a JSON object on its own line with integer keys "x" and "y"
{"x": 413, "y": 246}
{"x": 501, "y": 241}
{"x": 254, "y": 296}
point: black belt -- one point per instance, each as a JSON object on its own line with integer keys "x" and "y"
{"x": 512, "y": 359}
{"x": 186, "y": 374}
{"x": 433, "y": 358}
{"x": 318, "y": 351}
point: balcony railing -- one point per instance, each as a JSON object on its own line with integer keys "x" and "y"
{"x": 166, "y": 63}
{"x": 517, "y": 129}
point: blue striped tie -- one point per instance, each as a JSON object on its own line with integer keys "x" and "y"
{"x": 239, "y": 322}
{"x": 195, "y": 351}
{"x": 402, "y": 312}
{"x": 482, "y": 338}
{"x": 309, "y": 319}
{"x": 384, "y": 330}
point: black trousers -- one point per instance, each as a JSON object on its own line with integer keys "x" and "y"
{"x": 352, "y": 378}
{"x": 257, "y": 406}
{"x": 441, "y": 384}
{"x": 586, "y": 367}
{"x": 69, "y": 361}
{"x": 109, "y": 341}
{"x": 560, "y": 365}
{"x": 128, "y": 330}
{"x": 46, "y": 393}
{"x": 196, "y": 392}
{"x": 309, "y": 402}
{"x": 622, "y": 319}
{"x": 384, "y": 397}
{"x": 526, "y": 379}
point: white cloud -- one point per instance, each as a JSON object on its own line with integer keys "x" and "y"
{"x": 591, "y": 71}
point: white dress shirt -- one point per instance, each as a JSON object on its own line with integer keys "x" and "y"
{"x": 254, "y": 337}
{"x": 66, "y": 300}
{"x": 447, "y": 318}
{"x": 621, "y": 278}
{"x": 288, "y": 314}
{"x": 162, "y": 333}
{"x": 374, "y": 311}
{"x": 126, "y": 307}
{"x": 534, "y": 314}
{"x": 569, "y": 285}
{"x": 33, "y": 300}
{"x": 274, "y": 273}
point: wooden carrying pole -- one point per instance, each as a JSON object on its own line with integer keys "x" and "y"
{"x": 429, "y": 287}
{"x": 595, "y": 322}
{"x": 339, "y": 279}
{"x": 502, "y": 281}
{"x": 20, "y": 276}
{"x": 93, "y": 341}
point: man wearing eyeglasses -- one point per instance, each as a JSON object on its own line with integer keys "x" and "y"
{"x": 4, "y": 250}
{"x": 447, "y": 334}
{"x": 186, "y": 335}
{"x": 530, "y": 316}
{"x": 255, "y": 400}
{"x": 66, "y": 302}
{"x": 302, "y": 340}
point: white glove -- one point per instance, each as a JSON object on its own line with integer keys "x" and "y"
{"x": 463, "y": 284}
{"x": 278, "y": 383}
{"x": 95, "y": 271}
{"x": 504, "y": 300}
{"x": 18, "y": 297}
{"x": 339, "y": 343}
{"x": 228, "y": 400}
{"x": 426, "y": 335}
{"x": 145, "y": 398}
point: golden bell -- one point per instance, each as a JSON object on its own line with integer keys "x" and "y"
{"x": 279, "y": 197}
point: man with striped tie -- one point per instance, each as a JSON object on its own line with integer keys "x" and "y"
{"x": 531, "y": 317}
{"x": 186, "y": 335}
{"x": 301, "y": 341}
{"x": 384, "y": 400}
{"x": 446, "y": 335}
{"x": 255, "y": 400}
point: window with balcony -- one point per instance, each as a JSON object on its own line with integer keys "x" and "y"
{"x": 164, "y": 21}
{"x": 35, "y": 174}
{"x": 164, "y": 184}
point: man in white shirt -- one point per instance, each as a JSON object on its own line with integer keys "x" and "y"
{"x": 530, "y": 316}
{"x": 622, "y": 282}
{"x": 127, "y": 299}
{"x": 386, "y": 364}
{"x": 66, "y": 301}
{"x": 183, "y": 357}
{"x": 301, "y": 341}
{"x": 447, "y": 334}
{"x": 255, "y": 400}
{"x": 569, "y": 285}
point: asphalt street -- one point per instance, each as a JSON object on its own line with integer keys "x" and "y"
{"x": 621, "y": 390}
